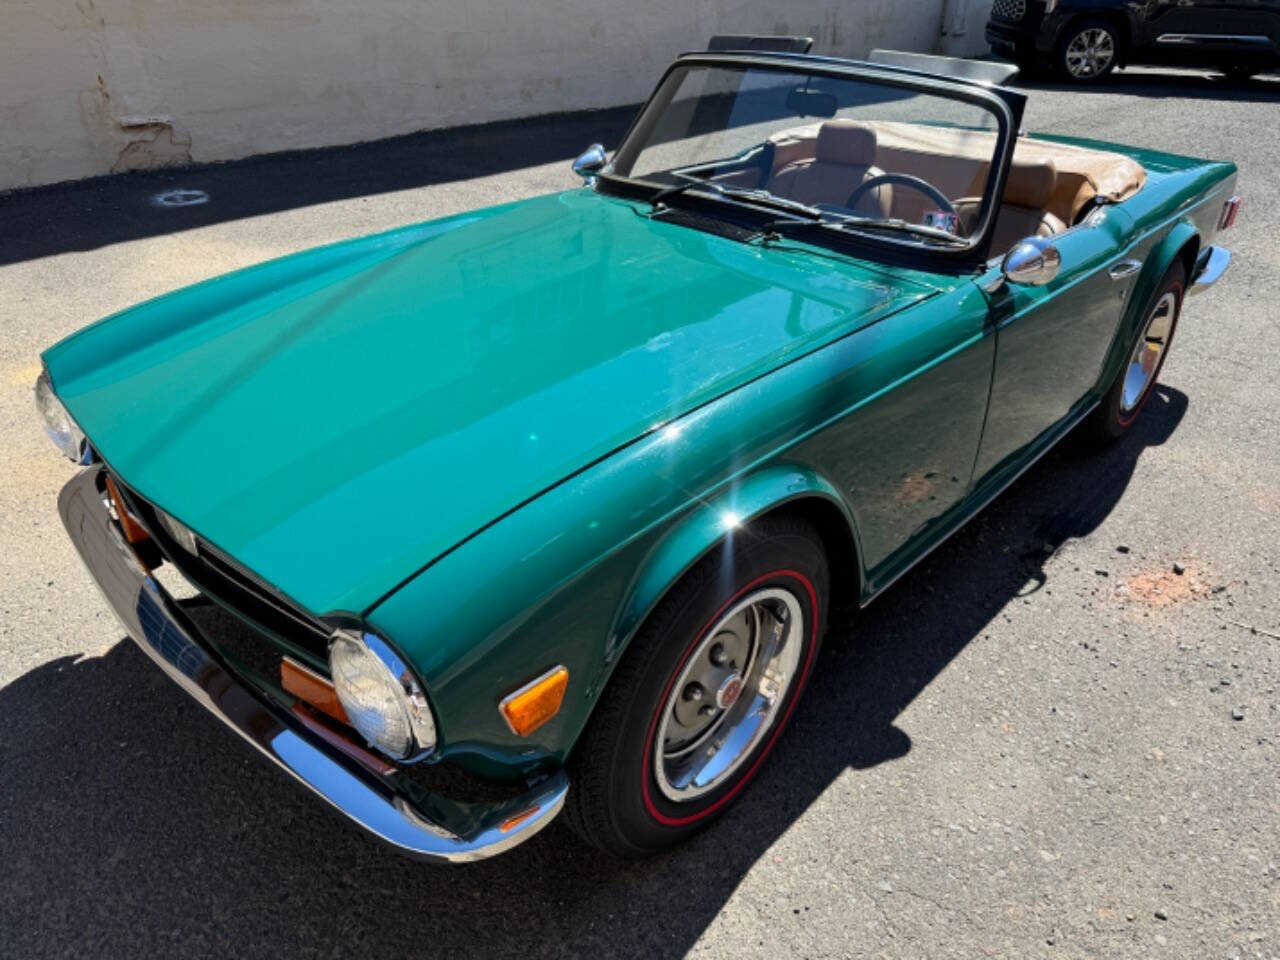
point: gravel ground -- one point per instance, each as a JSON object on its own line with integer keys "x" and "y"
{"x": 1045, "y": 742}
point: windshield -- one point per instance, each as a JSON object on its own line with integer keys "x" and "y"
{"x": 845, "y": 153}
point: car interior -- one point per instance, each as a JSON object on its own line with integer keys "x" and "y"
{"x": 1050, "y": 186}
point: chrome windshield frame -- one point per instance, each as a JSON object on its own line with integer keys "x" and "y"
{"x": 1006, "y": 105}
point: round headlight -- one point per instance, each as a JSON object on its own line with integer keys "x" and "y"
{"x": 62, "y": 430}
{"x": 380, "y": 695}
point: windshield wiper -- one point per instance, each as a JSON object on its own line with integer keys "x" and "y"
{"x": 660, "y": 197}
{"x": 809, "y": 217}
{"x": 770, "y": 200}
{"x": 743, "y": 194}
{"x": 868, "y": 223}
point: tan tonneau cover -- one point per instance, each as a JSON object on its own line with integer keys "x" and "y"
{"x": 957, "y": 161}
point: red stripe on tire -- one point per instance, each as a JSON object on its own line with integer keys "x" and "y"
{"x": 782, "y": 721}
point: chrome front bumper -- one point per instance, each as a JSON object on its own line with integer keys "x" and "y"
{"x": 1210, "y": 266}
{"x": 430, "y": 828}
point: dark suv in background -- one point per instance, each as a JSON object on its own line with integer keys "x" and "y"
{"x": 1084, "y": 40}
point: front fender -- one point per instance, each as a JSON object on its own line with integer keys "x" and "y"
{"x": 562, "y": 603}
{"x": 699, "y": 532}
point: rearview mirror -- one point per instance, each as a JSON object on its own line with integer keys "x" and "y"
{"x": 1032, "y": 262}
{"x": 811, "y": 103}
{"x": 590, "y": 162}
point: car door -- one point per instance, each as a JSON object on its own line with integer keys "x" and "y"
{"x": 1211, "y": 32}
{"x": 1052, "y": 341}
{"x": 903, "y": 455}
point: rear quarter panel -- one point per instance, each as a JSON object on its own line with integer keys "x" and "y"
{"x": 1175, "y": 214}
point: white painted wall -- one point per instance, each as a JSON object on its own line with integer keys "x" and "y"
{"x": 964, "y": 24}
{"x": 90, "y": 87}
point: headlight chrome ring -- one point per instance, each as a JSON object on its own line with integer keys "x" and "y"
{"x": 381, "y": 696}
{"x": 58, "y": 425}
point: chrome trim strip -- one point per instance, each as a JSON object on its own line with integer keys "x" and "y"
{"x": 158, "y": 625}
{"x": 1212, "y": 38}
{"x": 1215, "y": 265}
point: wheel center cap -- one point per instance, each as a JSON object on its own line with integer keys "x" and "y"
{"x": 729, "y": 691}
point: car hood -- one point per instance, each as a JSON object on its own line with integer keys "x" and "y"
{"x": 339, "y": 418}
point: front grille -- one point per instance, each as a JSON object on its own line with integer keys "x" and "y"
{"x": 222, "y": 579}
{"x": 1009, "y": 9}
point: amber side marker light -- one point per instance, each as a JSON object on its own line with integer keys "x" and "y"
{"x": 133, "y": 531}
{"x": 309, "y": 687}
{"x": 509, "y": 824}
{"x": 528, "y": 708}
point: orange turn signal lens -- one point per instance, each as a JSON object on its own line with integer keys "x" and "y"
{"x": 133, "y": 531}
{"x": 528, "y": 708}
{"x": 309, "y": 687}
{"x": 509, "y": 824}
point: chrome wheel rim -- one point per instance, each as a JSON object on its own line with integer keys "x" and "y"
{"x": 1148, "y": 352}
{"x": 1090, "y": 52}
{"x": 728, "y": 694}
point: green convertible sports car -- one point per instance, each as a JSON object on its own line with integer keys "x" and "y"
{"x": 544, "y": 506}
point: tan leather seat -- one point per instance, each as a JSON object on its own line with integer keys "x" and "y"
{"x": 844, "y": 156}
{"x": 1028, "y": 191}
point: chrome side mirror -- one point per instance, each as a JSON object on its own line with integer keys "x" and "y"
{"x": 590, "y": 162}
{"x": 1032, "y": 262}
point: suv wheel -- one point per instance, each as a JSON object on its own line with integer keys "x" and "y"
{"x": 1088, "y": 51}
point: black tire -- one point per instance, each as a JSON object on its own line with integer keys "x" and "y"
{"x": 1079, "y": 32}
{"x": 1033, "y": 65}
{"x": 614, "y": 801}
{"x": 1240, "y": 74}
{"x": 1113, "y": 418}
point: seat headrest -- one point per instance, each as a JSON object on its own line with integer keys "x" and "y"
{"x": 847, "y": 142}
{"x": 1031, "y": 183}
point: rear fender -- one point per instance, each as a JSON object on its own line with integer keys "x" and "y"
{"x": 1182, "y": 241}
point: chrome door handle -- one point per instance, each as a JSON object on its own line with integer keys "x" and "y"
{"x": 1124, "y": 269}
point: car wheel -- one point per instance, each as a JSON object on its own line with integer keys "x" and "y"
{"x": 1137, "y": 378}
{"x": 1088, "y": 51}
{"x": 703, "y": 692}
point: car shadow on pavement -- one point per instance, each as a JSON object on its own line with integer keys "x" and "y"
{"x": 1186, "y": 84}
{"x": 133, "y": 824}
{"x": 97, "y": 212}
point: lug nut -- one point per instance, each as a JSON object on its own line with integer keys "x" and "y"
{"x": 694, "y": 691}
{"x": 718, "y": 656}
{"x": 706, "y": 711}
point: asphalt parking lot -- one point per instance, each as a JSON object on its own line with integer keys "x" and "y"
{"x": 1043, "y": 742}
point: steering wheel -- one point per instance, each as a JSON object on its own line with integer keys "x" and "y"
{"x": 904, "y": 180}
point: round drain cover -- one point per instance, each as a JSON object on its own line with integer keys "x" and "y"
{"x": 180, "y": 198}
